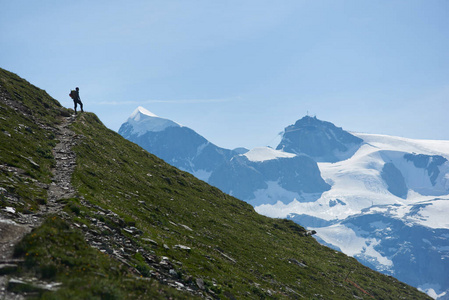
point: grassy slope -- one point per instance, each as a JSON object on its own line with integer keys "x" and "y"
{"x": 24, "y": 144}
{"x": 233, "y": 249}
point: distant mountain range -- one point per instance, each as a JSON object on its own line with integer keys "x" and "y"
{"x": 381, "y": 199}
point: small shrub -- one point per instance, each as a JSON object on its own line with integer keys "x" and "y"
{"x": 45, "y": 153}
{"x": 74, "y": 208}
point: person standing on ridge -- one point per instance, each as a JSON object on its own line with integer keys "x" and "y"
{"x": 75, "y": 95}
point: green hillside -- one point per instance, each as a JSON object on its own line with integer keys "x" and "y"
{"x": 138, "y": 228}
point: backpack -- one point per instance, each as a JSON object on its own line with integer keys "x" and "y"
{"x": 72, "y": 94}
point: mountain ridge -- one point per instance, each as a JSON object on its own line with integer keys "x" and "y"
{"x": 178, "y": 145}
{"x": 139, "y": 228}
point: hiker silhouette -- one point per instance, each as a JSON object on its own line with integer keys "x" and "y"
{"x": 75, "y": 95}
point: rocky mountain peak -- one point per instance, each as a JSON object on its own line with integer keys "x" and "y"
{"x": 319, "y": 139}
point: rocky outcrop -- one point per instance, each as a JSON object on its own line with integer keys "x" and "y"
{"x": 112, "y": 235}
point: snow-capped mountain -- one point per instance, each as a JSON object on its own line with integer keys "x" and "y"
{"x": 387, "y": 206}
{"x": 142, "y": 120}
{"x": 178, "y": 145}
{"x": 382, "y": 199}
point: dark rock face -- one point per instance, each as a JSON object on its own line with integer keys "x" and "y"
{"x": 321, "y": 140}
{"x": 335, "y": 202}
{"x": 238, "y": 178}
{"x": 181, "y": 147}
{"x": 428, "y": 162}
{"x": 395, "y": 181}
{"x": 242, "y": 177}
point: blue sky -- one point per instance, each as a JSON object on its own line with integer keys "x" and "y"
{"x": 239, "y": 72}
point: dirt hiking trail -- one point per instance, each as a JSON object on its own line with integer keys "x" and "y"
{"x": 15, "y": 225}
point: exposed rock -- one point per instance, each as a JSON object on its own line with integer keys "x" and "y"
{"x": 182, "y": 247}
{"x": 225, "y": 255}
{"x": 150, "y": 241}
{"x": 310, "y": 232}
{"x": 15, "y": 285}
{"x": 200, "y": 283}
{"x": 296, "y": 262}
{"x": 186, "y": 227}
